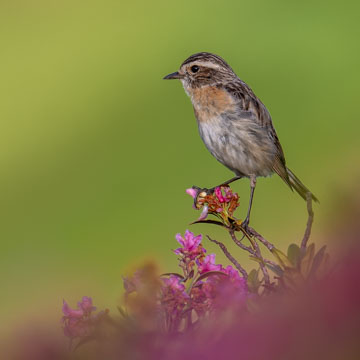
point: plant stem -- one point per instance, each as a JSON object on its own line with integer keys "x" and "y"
{"x": 229, "y": 256}
{"x": 309, "y": 221}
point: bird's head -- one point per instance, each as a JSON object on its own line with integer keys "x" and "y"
{"x": 203, "y": 69}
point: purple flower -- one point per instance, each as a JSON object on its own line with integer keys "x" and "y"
{"x": 190, "y": 245}
{"x": 208, "y": 264}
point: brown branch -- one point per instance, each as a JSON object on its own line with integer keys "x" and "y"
{"x": 254, "y": 233}
{"x": 309, "y": 221}
{"x": 270, "y": 262}
{"x": 240, "y": 244}
{"x": 229, "y": 256}
{"x": 256, "y": 252}
{"x": 262, "y": 264}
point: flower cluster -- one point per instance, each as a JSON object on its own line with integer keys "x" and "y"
{"x": 221, "y": 202}
{"x": 190, "y": 252}
{"x": 199, "y": 290}
{"x": 80, "y": 322}
{"x": 174, "y": 315}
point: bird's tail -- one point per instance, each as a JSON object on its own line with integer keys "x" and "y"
{"x": 299, "y": 187}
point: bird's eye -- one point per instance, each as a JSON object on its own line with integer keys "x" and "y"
{"x": 194, "y": 69}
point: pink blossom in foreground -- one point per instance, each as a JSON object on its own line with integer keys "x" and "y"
{"x": 86, "y": 305}
{"x": 173, "y": 282}
{"x": 74, "y": 326}
{"x": 208, "y": 264}
{"x": 71, "y": 313}
{"x": 78, "y": 322}
{"x": 235, "y": 278}
{"x": 190, "y": 245}
{"x": 173, "y": 297}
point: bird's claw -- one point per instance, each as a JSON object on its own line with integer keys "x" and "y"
{"x": 245, "y": 225}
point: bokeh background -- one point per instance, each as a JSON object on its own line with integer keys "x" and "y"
{"x": 96, "y": 150}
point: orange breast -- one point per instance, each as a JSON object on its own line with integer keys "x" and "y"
{"x": 209, "y": 101}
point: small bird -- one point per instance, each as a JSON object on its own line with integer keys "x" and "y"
{"x": 234, "y": 124}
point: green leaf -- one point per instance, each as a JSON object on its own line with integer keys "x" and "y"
{"x": 175, "y": 274}
{"x": 208, "y": 222}
{"x": 210, "y": 273}
{"x": 253, "y": 281}
{"x": 293, "y": 254}
{"x": 284, "y": 262}
{"x": 307, "y": 260}
{"x": 258, "y": 260}
{"x": 318, "y": 259}
{"x": 292, "y": 279}
{"x": 122, "y": 312}
{"x": 276, "y": 269}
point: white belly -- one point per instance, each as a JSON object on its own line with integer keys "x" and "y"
{"x": 241, "y": 145}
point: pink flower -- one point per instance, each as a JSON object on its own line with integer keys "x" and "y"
{"x": 235, "y": 278}
{"x": 219, "y": 195}
{"x": 86, "y": 305}
{"x": 192, "y": 192}
{"x": 190, "y": 245}
{"x": 78, "y": 322}
{"x": 173, "y": 297}
{"x": 173, "y": 282}
{"x": 223, "y": 198}
{"x": 204, "y": 213}
{"x": 208, "y": 264}
{"x": 71, "y": 313}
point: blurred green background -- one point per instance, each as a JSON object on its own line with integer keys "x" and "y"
{"x": 96, "y": 150}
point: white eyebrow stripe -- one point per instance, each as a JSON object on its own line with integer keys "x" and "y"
{"x": 207, "y": 64}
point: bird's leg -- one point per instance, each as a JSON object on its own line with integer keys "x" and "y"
{"x": 228, "y": 182}
{"x": 245, "y": 223}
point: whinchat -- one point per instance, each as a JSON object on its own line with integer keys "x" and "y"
{"x": 233, "y": 123}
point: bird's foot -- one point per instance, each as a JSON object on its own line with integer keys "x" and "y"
{"x": 245, "y": 225}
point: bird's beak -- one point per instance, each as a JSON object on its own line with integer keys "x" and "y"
{"x": 174, "y": 75}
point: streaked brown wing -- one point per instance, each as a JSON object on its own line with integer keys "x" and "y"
{"x": 248, "y": 101}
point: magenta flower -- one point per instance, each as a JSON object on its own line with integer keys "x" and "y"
{"x": 208, "y": 264}
{"x": 228, "y": 194}
{"x": 190, "y": 245}
{"x": 235, "y": 278}
{"x": 173, "y": 282}
{"x": 219, "y": 195}
{"x": 173, "y": 297}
